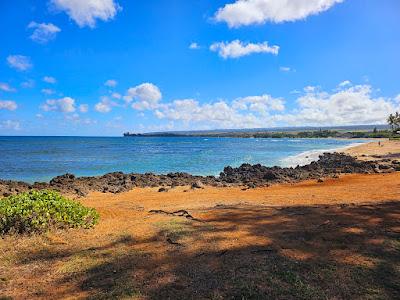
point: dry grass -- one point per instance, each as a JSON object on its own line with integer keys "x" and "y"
{"x": 248, "y": 245}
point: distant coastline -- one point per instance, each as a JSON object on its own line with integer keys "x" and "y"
{"x": 322, "y": 133}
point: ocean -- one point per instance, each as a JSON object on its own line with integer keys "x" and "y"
{"x": 33, "y": 159}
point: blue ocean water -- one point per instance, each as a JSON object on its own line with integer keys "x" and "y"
{"x": 42, "y": 158}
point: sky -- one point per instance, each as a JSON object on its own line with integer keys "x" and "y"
{"x": 104, "y": 67}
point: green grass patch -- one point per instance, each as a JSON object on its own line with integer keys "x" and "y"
{"x": 174, "y": 229}
{"x": 39, "y": 211}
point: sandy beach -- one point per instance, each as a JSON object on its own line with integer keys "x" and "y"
{"x": 312, "y": 239}
{"x": 369, "y": 151}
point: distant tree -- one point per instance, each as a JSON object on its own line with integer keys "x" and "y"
{"x": 394, "y": 121}
{"x": 375, "y": 130}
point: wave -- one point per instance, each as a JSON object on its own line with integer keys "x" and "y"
{"x": 307, "y": 157}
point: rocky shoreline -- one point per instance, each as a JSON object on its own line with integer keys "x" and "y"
{"x": 248, "y": 176}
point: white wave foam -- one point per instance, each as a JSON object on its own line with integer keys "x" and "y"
{"x": 307, "y": 157}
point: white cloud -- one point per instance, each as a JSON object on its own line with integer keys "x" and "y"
{"x": 261, "y": 104}
{"x": 105, "y": 105}
{"x": 194, "y": 46}
{"x": 248, "y": 12}
{"x": 49, "y": 79}
{"x": 116, "y": 95}
{"x": 310, "y": 89}
{"x": 76, "y": 119}
{"x": 6, "y": 87}
{"x": 205, "y": 116}
{"x": 83, "y": 108}
{"x": 42, "y": 32}
{"x": 8, "y": 105}
{"x": 344, "y": 83}
{"x": 285, "y": 69}
{"x": 237, "y": 49}
{"x": 111, "y": 83}
{"x": 146, "y": 96}
{"x": 65, "y": 105}
{"x": 86, "y": 13}
{"x": 48, "y": 91}
{"x": 19, "y": 62}
{"x": 10, "y": 125}
{"x": 28, "y": 84}
{"x": 346, "y": 106}
{"x": 102, "y": 107}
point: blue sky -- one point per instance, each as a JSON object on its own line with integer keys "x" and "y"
{"x": 71, "y": 67}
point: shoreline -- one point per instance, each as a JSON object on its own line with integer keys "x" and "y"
{"x": 309, "y": 156}
{"x": 315, "y": 153}
{"x": 375, "y": 159}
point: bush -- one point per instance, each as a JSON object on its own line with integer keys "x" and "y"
{"x": 39, "y": 211}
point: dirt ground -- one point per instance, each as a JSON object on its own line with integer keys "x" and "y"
{"x": 339, "y": 239}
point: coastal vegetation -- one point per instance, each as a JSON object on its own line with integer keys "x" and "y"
{"x": 350, "y": 132}
{"x": 375, "y": 133}
{"x": 39, "y": 211}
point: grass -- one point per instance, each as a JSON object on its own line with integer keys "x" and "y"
{"x": 174, "y": 229}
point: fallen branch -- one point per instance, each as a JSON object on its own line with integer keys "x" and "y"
{"x": 173, "y": 243}
{"x": 178, "y": 213}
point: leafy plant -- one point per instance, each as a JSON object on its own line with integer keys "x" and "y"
{"x": 39, "y": 211}
{"x": 394, "y": 121}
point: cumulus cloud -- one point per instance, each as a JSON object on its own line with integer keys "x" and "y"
{"x": 349, "y": 105}
{"x": 310, "y": 89}
{"x": 116, "y": 95}
{"x": 194, "y": 46}
{"x": 83, "y": 108}
{"x": 210, "y": 115}
{"x": 64, "y": 105}
{"x": 5, "y": 87}
{"x": 76, "y": 119}
{"x": 28, "y": 84}
{"x": 102, "y": 107}
{"x": 345, "y": 105}
{"x": 19, "y": 62}
{"x": 261, "y": 104}
{"x": 344, "y": 83}
{"x": 10, "y": 125}
{"x": 237, "y": 49}
{"x": 42, "y": 32}
{"x": 8, "y": 105}
{"x": 86, "y": 13}
{"x": 105, "y": 105}
{"x": 111, "y": 83}
{"x": 248, "y": 12}
{"x": 49, "y": 79}
{"x": 48, "y": 91}
{"x": 145, "y": 96}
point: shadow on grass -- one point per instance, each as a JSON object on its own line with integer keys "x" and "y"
{"x": 248, "y": 252}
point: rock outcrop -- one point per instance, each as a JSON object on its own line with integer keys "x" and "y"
{"x": 250, "y": 176}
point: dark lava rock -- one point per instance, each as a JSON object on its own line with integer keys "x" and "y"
{"x": 197, "y": 185}
{"x": 251, "y": 176}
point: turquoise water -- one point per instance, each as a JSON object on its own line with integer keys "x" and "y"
{"x": 41, "y": 158}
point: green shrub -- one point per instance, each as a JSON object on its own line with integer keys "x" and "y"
{"x": 38, "y": 211}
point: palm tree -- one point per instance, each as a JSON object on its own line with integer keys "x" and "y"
{"x": 391, "y": 121}
{"x": 394, "y": 121}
